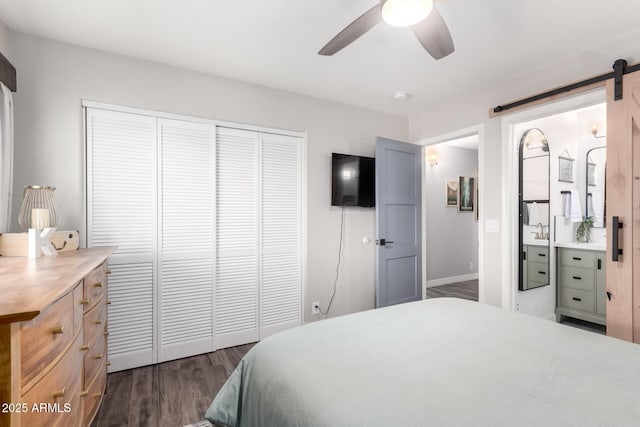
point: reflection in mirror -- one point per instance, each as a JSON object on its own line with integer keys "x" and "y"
{"x": 533, "y": 210}
{"x": 596, "y": 160}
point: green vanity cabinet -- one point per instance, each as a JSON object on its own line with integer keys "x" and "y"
{"x": 535, "y": 264}
{"x": 581, "y": 285}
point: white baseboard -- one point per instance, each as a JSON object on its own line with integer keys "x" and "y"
{"x": 452, "y": 279}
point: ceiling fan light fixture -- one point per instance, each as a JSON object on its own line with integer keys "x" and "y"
{"x": 404, "y": 13}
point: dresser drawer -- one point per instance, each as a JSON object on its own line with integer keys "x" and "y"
{"x": 94, "y": 359}
{"x": 538, "y": 272}
{"x": 538, "y": 254}
{"x": 575, "y": 298}
{"x": 95, "y": 284}
{"x": 58, "y": 387}
{"x": 94, "y": 322}
{"x": 576, "y": 258}
{"x": 92, "y": 396}
{"x": 577, "y": 278}
{"x": 45, "y": 337}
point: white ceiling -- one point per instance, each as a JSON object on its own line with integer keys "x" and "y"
{"x": 470, "y": 142}
{"x": 274, "y": 43}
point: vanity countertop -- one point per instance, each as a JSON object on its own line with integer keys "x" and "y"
{"x": 584, "y": 246}
{"x": 536, "y": 242}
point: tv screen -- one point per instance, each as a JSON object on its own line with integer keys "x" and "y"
{"x": 353, "y": 180}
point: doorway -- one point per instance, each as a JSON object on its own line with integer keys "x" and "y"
{"x": 573, "y": 131}
{"x": 452, "y": 206}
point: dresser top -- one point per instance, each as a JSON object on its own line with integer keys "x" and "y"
{"x": 28, "y": 286}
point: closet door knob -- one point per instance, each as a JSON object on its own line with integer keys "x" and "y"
{"x": 58, "y": 330}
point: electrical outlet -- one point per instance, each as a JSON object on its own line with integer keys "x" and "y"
{"x": 315, "y": 307}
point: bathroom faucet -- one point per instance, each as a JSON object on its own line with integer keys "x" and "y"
{"x": 540, "y": 235}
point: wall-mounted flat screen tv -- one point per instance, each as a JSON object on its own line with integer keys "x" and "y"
{"x": 353, "y": 180}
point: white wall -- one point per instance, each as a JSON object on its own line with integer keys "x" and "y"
{"x": 452, "y": 236}
{"x": 5, "y": 34}
{"x": 49, "y": 143}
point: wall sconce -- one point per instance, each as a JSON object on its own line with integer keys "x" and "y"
{"x": 594, "y": 132}
{"x": 432, "y": 157}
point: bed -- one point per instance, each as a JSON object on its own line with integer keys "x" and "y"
{"x": 437, "y": 362}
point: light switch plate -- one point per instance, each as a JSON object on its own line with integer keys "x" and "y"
{"x": 492, "y": 226}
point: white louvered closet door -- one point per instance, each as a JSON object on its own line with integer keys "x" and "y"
{"x": 281, "y": 276}
{"x": 186, "y": 264}
{"x": 237, "y": 213}
{"x": 121, "y": 211}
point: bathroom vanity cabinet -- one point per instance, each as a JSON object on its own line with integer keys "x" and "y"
{"x": 581, "y": 282}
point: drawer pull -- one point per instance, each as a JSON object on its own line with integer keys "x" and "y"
{"x": 59, "y": 393}
{"x": 577, "y": 258}
{"x": 109, "y": 271}
{"x": 98, "y": 285}
{"x": 577, "y": 278}
{"x": 84, "y": 393}
{"x": 58, "y": 330}
{"x": 542, "y": 272}
{"x": 97, "y": 356}
{"x": 96, "y": 395}
{"x": 108, "y": 302}
{"x": 84, "y": 301}
{"x": 576, "y": 299}
{"x": 542, "y": 254}
{"x": 85, "y": 347}
{"x": 97, "y": 322}
{"x": 107, "y": 364}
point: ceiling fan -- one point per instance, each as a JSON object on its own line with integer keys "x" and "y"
{"x": 421, "y": 15}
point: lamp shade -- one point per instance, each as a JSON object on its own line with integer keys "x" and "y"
{"x": 38, "y": 209}
{"x": 403, "y": 13}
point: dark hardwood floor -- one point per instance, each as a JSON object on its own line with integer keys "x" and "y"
{"x": 465, "y": 290}
{"x": 169, "y": 394}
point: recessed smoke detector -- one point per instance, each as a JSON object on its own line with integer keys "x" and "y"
{"x": 400, "y": 96}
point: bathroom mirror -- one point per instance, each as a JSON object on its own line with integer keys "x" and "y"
{"x": 595, "y": 164}
{"x": 533, "y": 212}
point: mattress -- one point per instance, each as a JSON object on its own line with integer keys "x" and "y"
{"x": 437, "y": 362}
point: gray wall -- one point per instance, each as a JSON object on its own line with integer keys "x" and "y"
{"x": 452, "y": 236}
{"x": 49, "y": 143}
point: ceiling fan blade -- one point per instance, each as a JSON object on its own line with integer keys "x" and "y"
{"x": 353, "y": 31}
{"x": 433, "y": 35}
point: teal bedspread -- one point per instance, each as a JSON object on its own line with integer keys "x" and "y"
{"x": 438, "y": 362}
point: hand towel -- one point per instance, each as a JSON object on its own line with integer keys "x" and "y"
{"x": 575, "y": 211}
{"x": 595, "y": 209}
{"x": 534, "y": 213}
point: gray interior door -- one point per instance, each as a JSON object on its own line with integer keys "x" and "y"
{"x": 398, "y": 222}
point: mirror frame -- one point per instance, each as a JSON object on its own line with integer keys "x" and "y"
{"x": 521, "y": 205}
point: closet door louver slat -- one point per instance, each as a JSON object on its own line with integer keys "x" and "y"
{"x": 121, "y": 211}
{"x": 281, "y": 277}
{"x": 237, "y": 166}
{"x": 186, "y": 310}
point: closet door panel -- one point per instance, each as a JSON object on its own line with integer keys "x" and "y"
{"x": 237, "y": 213}
{"x": 281, "y": 277}
{"x": 186, "y": 288}
{"x": 121, "y": 211}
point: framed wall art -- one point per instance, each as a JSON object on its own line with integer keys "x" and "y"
{"x": 565, "y": 167}
{"x": 451, "y": 193}
{"x": 466, "y": 194}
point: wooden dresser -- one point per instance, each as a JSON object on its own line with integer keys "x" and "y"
{"x": 53, "y": 327}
